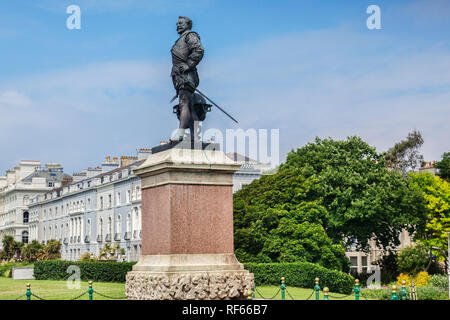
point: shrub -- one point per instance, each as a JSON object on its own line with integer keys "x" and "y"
{"x": 422, "y": 279}
{"x": 99, "y": 271}
{"x": 301, "y": 274}
{"x": 431, "y": 293}
{"x": 439, "y": 281}
{"x": 378, "y": 294}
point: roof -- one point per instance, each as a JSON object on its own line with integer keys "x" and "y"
{"x": 49, "y": 175}
{"x": 239, "y": 157}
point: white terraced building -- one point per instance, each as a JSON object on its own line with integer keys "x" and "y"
{"x": 97, "y": 206}
{"x": 21, "y": 184}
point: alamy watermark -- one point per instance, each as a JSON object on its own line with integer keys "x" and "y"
{"x": 74, "y": 20}
{"x": 374, "y": 20}
{"x": 257, "y": 146}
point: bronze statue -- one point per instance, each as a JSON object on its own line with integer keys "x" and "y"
{"x": 187, "y": 52}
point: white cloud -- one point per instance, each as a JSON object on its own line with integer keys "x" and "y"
{"x": 327, "y": 83}
{"x": 13, "y": 99}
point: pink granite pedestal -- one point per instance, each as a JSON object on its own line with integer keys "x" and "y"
{"x": 187, "y": 229}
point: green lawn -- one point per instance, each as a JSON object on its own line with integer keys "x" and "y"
{"x": 58, "y": 290}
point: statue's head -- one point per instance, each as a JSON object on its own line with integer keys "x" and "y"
{"x": 183, "y": 24}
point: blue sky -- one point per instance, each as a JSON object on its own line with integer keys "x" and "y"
{"x": 307, "y": 68}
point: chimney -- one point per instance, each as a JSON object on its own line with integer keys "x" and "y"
{"x": 108, "y": 165}
{"x": 143, "y": 153}
{"x": 126, "y": 160}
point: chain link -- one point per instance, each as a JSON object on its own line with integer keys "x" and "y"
{"x": 289, "y": 294}
{"x": 37, "y": 296}
{"x": 108, "y": 297}
{"x": 314, "y": 291}
{"x": 20, "y": 297}
{"x": 256, "y": 290}
{"x": 80, "y": 295}
{"x": 342, "y": 297}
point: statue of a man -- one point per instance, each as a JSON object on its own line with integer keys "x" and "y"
{"x": 187, "y": 52}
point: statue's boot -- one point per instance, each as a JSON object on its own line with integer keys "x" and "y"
{"x": 178, "y": 135}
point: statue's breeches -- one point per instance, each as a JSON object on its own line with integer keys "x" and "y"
{"x": 185, "y": 81}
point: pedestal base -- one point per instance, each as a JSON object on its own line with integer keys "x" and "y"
{"x": 188, "y": 277}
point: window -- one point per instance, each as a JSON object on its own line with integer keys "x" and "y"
{"x": 118, "y": 225}
{"x": 101, "y": 203}
{"x": 118, "y": 198}
{"x": 129, "y": 222}
{"x": 364, "y": 264}
{"x": 354, "y": 265}
{"x": 128, "y": 196}
{"x": 109, "y": 225}
{"x": 26, "y": 217}
{"x": 25, "y": 237}
{"x": 88, "y": 227}
{"x": 109, "y": 201}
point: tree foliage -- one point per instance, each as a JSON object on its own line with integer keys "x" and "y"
{"x": 363, "y": 198}
{"x": 436, "y": 192}
{"x": 444, "y": 166}
{"x": 404, "y": 155}
{"x": 34, "y": 251}
{"x": 412, "y": 260}
{"x": 274, "y": 222}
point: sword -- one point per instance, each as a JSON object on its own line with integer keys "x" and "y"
{"x": 204, "y": 96}
{"x": 229, "y": 116}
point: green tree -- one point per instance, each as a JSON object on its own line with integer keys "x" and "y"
{"x": 404, "y": 155}
{"x": 33, "y": 251}
{"x": 436, "y": 192}
{"x": 364, "y": 199}
{"x": 52, "y": 250}
{"x": 275, "y": 223}
{"x": 11, "y": 249}
{"x": 444, "y": 166}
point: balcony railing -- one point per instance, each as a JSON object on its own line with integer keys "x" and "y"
{"x": 117, "y": 237}
{"x": 65, "y": 241}
{"x": 87, "y": 239}
{"x": 99, "y": 238}
{"x": 108, "y": 237}
{"x": 127, "y": 236}
{"x": 79, "y": 239}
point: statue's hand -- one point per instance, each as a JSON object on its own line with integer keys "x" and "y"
{"x": 183, "y": 68}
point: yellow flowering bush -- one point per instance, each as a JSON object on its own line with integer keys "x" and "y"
{"x": 422, "y": 279}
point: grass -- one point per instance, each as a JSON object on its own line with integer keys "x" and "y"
{"x": 297, "y": 294}
{"x": 57, "y": 290}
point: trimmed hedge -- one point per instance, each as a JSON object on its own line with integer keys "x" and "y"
{"x": 98, "y": 271}
{"x": 301, "y": 274}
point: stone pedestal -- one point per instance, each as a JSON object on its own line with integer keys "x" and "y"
{"x": 187, "y": 229}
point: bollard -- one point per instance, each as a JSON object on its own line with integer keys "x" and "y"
{"x": 282, "y": 287}
{"x": 357, "y": 289}
{"x": 90, "y": 290}
{"x": 394, "y": 295}
{"x": 403, "y": 292}
{"x": 325, "y": 293}
{"x": 249, "y": 295}
{"x": 317, "y": 288}
{"x": 28, "y": 294}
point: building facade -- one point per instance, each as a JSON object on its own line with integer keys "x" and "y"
{"x": 21, "y": 184}
{"x": 95, "y": 207}
{"x": 101, "y": 206}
